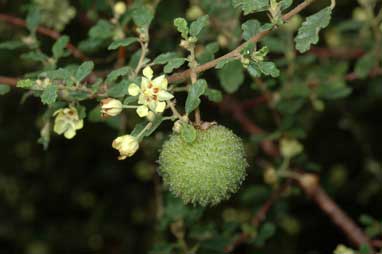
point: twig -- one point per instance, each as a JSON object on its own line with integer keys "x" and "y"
{"x": 231, "y": 105}
{"x": 44, "y": 31}
{"x": 377, "y": 243}
{"x": 252, "y": 103}
{"x": 262, "y": 213}
{"x": 259, "y": 217}
{"x": 338, "y": 53}
{"x": 236, "y": 52}
{"x": 142, "y": 57}
{"x": 353, "y": 76}
{"x": 333, "y": 211}
{"x": 8, "y": 81}
{"x": 311, "y": 188}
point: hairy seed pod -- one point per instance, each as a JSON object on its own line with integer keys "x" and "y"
{"x": 205, "y": 171}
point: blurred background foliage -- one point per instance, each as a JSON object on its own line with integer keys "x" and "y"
{"x": 77, "y": 198}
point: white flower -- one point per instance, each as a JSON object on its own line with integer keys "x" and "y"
{"x": 110, "y": 107}
{"x": 152, "y": 93}
{"x": 67, "y": 122}
{"x": 127, "y": 145}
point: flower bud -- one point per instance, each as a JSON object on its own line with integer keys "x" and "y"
{"x": 110, "y": 107}
{"x": 177, "y": 126}
{"x": 194, "y": 12}
{"x": 119, "y": 8}
{"x": 270, "y": 176}
{"x": 290, "y": 148}
{"x": 223, "y": 41}
{"x": 127, "y": 145}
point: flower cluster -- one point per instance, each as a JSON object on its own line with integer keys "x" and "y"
{"x": 152, "y": 93}
{"x": 67, "y": 122}
{"x": 152, "y": 99}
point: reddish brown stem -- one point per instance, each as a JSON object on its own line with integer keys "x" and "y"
{"x": 252, "y": 103}
{"x": 259, "y": 217}
{"x": 341, "y": 53}
{"x": 180, "y": 76}
{"x": 377, "y": 243}
{"x": 334, "y": 212}
{"x": 44, "y": 31}
{"x": 308, "y": 183}
{"x": 8, "y": 81}
{"x": 230, "y": 105}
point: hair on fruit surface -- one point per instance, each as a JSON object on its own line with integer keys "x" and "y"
{"x": 206, "y": 171}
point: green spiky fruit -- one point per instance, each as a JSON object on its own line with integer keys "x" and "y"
{"x": 207, "y": 170}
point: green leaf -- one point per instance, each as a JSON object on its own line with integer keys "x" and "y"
{"x": 155, "y": 124}
{"x": 130, "y": 99}
{"x": 224, "y": 62}
{"x": 84, "y": 70}
{"x": 78, "y": 95}
{"x": 182, "y": 27}
{"x": 250, "y": 28}
{"x": 25, "y": 83}
{"x": 365, "y": 64}
{"x": 114, "y": 75}
{"x": 173, "y": 64}
{"x": 197, "y": 89}
{"x": 265, "y": 232}
{"x": 33, "y": 20}
{"x": 59, "y": 74}
{"x": 164, "y": 58}
{"x": 366, "y": 220}
{"x": 134, "y": 59}
{"x": 162, "y": 248}
{"x": 119, "y": 90}
{"x": 49, "y": 95}
{"x": 188, "y": 133}
{"x": 365, "y": 249}
{"x": 285, "y": 4}
{"x": 142, "y": 16}
{"x": 11, "y": 45}
{"x": 208, "y": 53}
{"x": 214, "y": 95}
{"x": 58, "y": 48}
{"x": 269, "y": 68}
{"x": 334, "y": 90}
{"x": 4, "y": 89}
{"x": 296, "y": 90}
{"x": 251, "y": 6}
{"x": 102, "y": 30}
{"x": 35, "y": 56}
{"x": 310, "y": 28}
{"x": 231, "y": 76}
{"x": 197, "y": 26}
{"x": 290, "y": 106}
{"x": 122, "y": 43}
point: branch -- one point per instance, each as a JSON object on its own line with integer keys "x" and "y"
{"x": 338, "y": 53}
{"x": 8, "y": 81}
{"x": 180, "y": 76}
{"x": 308, "y": 183}
{"x": 374, "y": 73}
{"x": 377, "y": 243}
{"x": 44, "y": 31}
{"x": 259, "y": 217}
{"x": 311, "y": 187}
{"x": 232, "y": 106}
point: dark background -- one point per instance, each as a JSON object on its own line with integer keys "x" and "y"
{"x": 77, "y": 198}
